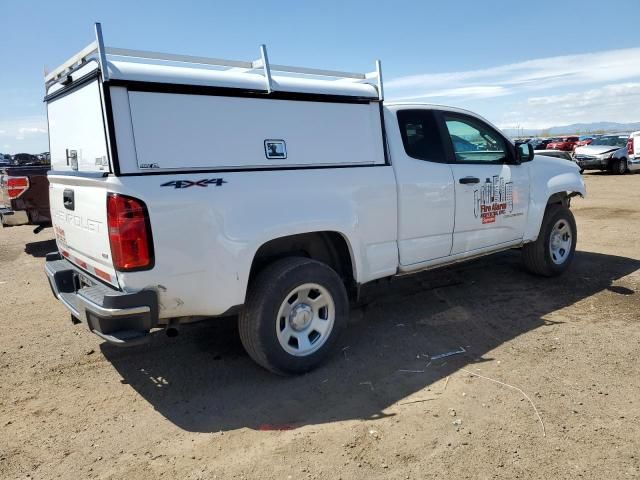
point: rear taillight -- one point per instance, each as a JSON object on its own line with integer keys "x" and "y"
{"x": 16, "y": 186}
{"x": 630, "y": 146}
{"x": 129, "y": 233}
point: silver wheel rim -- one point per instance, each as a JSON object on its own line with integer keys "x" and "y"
{"x": 305, "y": 319}
{"x": 560, "y": 242}
{"x": 622, "y": 166}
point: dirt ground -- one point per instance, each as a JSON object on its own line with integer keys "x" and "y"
{"x": 196, "y": 407}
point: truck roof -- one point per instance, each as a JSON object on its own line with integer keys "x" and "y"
{"x": 260, "y": 75}
{"x": 437, "y": 106}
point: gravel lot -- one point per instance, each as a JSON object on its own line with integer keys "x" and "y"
{"x": 197, "y": 407}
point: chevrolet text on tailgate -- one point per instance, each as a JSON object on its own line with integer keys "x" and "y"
{"x": 186, "y": 188}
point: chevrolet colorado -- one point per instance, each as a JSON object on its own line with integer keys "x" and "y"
{"x": 186, "y": 188}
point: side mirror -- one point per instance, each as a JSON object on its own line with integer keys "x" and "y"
{"x": 524, "y": 152}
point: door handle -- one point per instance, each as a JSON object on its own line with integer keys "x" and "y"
{"x": 68, "y": 199}
{"x": 466, "y": 180}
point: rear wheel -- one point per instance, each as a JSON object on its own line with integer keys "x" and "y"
{"x": 552, "y": 253}
{"x": 295, "y": 311}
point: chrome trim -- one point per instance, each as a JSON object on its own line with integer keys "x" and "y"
{"x": 111, "y": 312}
{"x": 90, "y": 306}
{"x": 59, "y": 297}
{"x": 70, "y": 307}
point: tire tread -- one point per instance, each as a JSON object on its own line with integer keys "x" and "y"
{"x": 261, "y": 289}
{"x": 534, "y": 255}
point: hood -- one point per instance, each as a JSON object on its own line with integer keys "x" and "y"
{"x": 555, "y": 162}
{"x": 596, "y": 149}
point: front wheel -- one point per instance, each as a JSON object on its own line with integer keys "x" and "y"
{"x": 619, "y": 167}
{"x": 552, "y": 253}
{"x": 295, "y": 311}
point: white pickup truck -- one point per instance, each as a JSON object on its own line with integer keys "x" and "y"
{"x": 185, "y": 188}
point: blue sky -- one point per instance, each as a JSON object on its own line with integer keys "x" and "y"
{"x": 505, "y": 60}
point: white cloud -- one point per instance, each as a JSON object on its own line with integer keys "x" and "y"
{"x": 615, "y": 102}
{"x": 33, "y": 124}
{"x": 477, "y": 91}
{"x": 617, "y": 94}
{"x": 540, "y": 93}
{"x": 538, "y": 74}
{"x": 24, "y": 134}
{"x": 24, "y": 130}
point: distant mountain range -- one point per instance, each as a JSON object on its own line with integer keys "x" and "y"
{"x": 575, "y": 128}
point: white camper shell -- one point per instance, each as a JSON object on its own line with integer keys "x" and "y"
{"x": 185, "y": 188}
{"x": 165, "y": 112}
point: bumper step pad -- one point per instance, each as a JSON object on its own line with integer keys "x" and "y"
{"x": 117, "y": 317}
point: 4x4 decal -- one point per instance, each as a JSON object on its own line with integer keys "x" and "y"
{"x": 205, "y": 182}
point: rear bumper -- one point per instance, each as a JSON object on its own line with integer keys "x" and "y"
{"x": 119, "y": 318}
{"x": 12, "y": 218}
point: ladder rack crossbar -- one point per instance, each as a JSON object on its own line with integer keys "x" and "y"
{"x": 170, "y": 57}
{"x": 239, "y": 64}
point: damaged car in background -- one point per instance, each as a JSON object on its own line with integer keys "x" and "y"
{"x": 606, "y": 153}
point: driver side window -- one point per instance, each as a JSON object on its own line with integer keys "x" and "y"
{"x": 474, "y": 142}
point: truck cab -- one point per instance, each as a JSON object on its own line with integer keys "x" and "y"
{"x": 181, "y": 193}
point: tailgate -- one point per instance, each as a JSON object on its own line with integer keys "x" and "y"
{"x": 79, "y": 218}
{"x": 78, "y": 187}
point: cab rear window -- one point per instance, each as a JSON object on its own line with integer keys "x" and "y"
{"x": 420, "y": 135}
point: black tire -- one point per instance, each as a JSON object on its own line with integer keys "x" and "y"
{"x": 267, "y": 293}
{"x": 619, "y": 167}
{"x": 537, "y": 255}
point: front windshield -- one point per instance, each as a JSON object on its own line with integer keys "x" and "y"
{"x": 611, "y": 141}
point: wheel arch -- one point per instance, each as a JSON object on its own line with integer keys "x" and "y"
{"x": 327, "y": 246}
{"x": 559, "y": 189}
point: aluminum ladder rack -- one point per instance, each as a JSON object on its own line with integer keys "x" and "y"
{"x": 97, "y": 51}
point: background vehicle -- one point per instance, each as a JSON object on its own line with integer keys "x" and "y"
{"x": 585, "y": 140}
{"x": 608, "y": 152}
{"x": 563, "y": 143}
{"x": 232, "y": 201}
{"x": 24, "y": 159}
{"x": 633, "y": 151}
{"x": 24, "y": 196}
{"x": 555, "y": 153}
{"x": 539, "y": 143}
{"x": 27, "y": 159}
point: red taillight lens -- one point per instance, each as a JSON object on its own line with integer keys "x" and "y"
{"x": 630, "y": 146}
{"x": 16, "y": 186}
{"x": 129, "y": 233}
